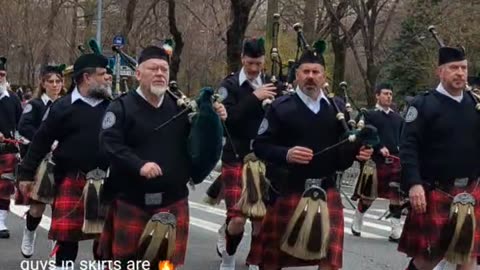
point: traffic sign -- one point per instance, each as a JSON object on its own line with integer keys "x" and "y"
{"x": 119, "y": 41}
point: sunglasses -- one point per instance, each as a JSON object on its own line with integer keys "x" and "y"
{"x": 3, "y": 74}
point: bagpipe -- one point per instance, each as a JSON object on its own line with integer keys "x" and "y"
{"x": 206, "y": 133}
{"x": 277, "y": 77}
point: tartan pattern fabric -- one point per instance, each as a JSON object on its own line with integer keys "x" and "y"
{"x": 7, "y": 165}
{"x": 68, "y": 210}
{"x": 125, "y": 224}
{"x": 232, "y": 187}
{"x": 387, "y": 174}
{"x": 268, "y": 253}
{"x": 21, "y": 199}
{"x": 422, "y": 232}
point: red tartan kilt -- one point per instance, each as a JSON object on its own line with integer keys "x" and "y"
{"x": 21, "y": 199}
{"x": 125, "y": 224}
{"x": 232, "y": 187}
{"x": 268, "y": 253}
{"x": 68, "y": 210}
{"x": 387, "y": 174}
{"x": 7, "y": 165}
{"x": 423, "y": 232}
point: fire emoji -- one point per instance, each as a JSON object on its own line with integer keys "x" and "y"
{"x": 165, "y": 265}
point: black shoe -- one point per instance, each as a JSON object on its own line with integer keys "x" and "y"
{"x": 4, "y": 234}
{"x": 391, "y": 239}
{"x": 355, "y": 233}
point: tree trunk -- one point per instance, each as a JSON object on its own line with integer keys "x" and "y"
{"x": 46, "y": 51}
{"x": 309, "y": 18}
{"x": 177, "y": 38}
{"x": 73, "y": 34}
{"x": 129, "y": 17}
{"x": 340, "y": 54}
{"x": 240, "y": 10}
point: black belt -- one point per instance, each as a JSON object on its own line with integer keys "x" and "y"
{"x": 454, "y": 183}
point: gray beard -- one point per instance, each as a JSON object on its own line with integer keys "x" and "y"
{"x": 158, "y": 91}
{"x": 99, "y": 93}
{"x": 3, "y": 88}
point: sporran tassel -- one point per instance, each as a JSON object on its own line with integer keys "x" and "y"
{"x": 461, "y": 245}
{"x": 295, "y": 230}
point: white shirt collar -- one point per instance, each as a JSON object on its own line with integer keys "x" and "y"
{"x": 45, "y": 98}
{"x": 4, "y": 94}
{"x": 387, "y": 111}
{"x": 140, "y": 93}
{"x": 443, "y": 91}
{"x": 89, "y": 100}
{"x": 313, "y": 105}
{"x": 243, "y": 77}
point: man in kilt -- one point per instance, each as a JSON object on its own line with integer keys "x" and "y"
{"x": 10, "y": 112}
{"x": 150, "y": 168}
{"x": 50, "y": 89}
{"x": 245, "y": 91}
{"x": 294, "y": 129}
{"x": 440, "y": 154}
{"x": 389, "y": 125}
{"x": 75, "y": 122}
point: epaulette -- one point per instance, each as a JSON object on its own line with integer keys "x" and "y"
{"x": 122, "y": 94}
{"x": 229, "y": 75}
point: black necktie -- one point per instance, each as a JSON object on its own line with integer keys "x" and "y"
{"x": 49, "y": 103}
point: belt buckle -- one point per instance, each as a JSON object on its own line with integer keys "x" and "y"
{"x": 388, "y": 160}
{"x": 313, "y": 182}
{"x": 152, "y": 199}
{"x": 461, "y": 182}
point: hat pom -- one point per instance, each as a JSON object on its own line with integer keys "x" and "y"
{"x": 320, "y": 46}
{"x": 94, "y": 46}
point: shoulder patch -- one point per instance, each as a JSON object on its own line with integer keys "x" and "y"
{"x": 411, "y": 114}
{"x": 28, "y": 108}
{"x": 108, "y": 120}
{"x": 222, "y": 92}
{"x": 263, "y": 126}
{"x": 45, "y": 115}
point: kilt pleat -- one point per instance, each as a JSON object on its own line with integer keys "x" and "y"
{"x": 7, "y": 165}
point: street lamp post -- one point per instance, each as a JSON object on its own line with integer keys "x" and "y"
{"x": 99, "y": 23}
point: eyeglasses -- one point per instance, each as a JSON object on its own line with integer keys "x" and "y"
{"x": 3, "y": 74}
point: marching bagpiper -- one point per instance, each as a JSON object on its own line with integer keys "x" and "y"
{"x": 387, "y": 181}
{"x": 10, "y": 112}
{"x": 49, "y": 90}
{"x": 305, "y": 225}
{"x": 440, "y": 153}
{"x": 75, "y": 122}
{"x": 150, "y": 167}
{"x": 244, "y": 93}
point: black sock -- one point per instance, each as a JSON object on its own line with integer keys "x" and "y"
{"x": 32, "y": 222}
{"x": 67, "y": 252}
{"x": 95, "y": 250}
{"x": 4, "y": 204}
{"x": 395, "y": 210}
{"x": 362, "y": 207}
{"x": 232, "y": 240}
{"x": 411, "y": 266}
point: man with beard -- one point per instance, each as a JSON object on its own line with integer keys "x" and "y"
{"x": 389, "y": 125}
{"x": 75, "y": 122}
{"x": 10, "y": 112}
{"x": 150, "y": 168}
{"x": 244, "y": 93}
{"x": 294, "y": 130}
{"x": 440, "y": 153}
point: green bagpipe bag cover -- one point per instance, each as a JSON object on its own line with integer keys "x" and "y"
{"x": 205, "y": 139}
